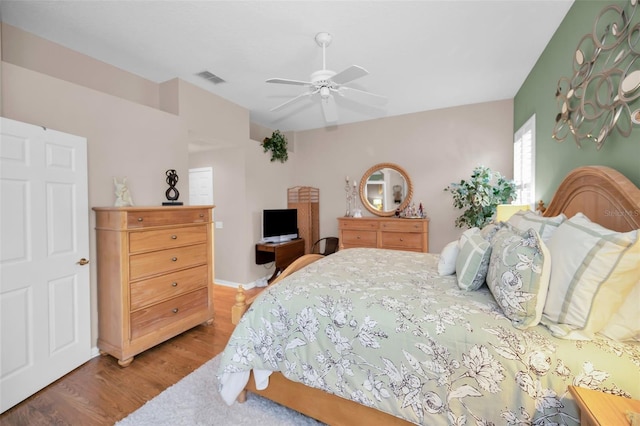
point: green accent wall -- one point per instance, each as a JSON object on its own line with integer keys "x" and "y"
{"x": 554, "y": 160}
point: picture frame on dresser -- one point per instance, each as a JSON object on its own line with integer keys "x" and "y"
{"x": 155, "y": 275}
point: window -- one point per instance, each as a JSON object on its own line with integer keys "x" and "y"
{"x": 524, "y": 162}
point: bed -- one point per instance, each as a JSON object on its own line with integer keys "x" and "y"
{"x": 373, "y": 336}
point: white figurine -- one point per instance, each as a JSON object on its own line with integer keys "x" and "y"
{"x": 123, "y": 196}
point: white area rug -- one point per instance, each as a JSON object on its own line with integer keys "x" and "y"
{"x": 195, "y": 400}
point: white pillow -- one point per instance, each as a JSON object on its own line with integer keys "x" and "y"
{"x": 518, "y": 276}
{"x": 447, "y": 262}
{"x": 545, "y": 226}
{"x": 593, "y": 271}
{"x": 473, "y": 260}
{"x": 625, "y": 323}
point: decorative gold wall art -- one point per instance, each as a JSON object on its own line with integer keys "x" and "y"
{"x": 606, "y": 79}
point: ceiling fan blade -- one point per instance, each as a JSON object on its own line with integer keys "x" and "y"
{"x": 288, "y": 81}
{"x": 362, "y": 96}
{"x": 290, "y": 101}
{"x": 349, "y": 74}
{"x": 329, "y": 109}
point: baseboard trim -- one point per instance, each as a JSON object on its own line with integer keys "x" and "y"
{"x": 232, "y": 284}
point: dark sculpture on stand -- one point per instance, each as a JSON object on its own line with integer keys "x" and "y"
{"x": 172, "y": 193}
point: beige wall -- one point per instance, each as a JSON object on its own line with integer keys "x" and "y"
{"x": 211, "y": 119}
{"x": 147, "y": 130}
{"x": 37, "y": 54}
{"x": 434, "y": 147}
{"x": 123, "y": 139}
{"x": 245, "y": 183}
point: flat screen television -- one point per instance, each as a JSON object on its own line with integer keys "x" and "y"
{"x": 279, "y": 225}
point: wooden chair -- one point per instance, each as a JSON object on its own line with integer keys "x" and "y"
{"x": 330, "y": 246}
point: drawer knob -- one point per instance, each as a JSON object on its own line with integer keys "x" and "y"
{"x": 174, "y": 259}
{"x": 174, "y": 310}
{"x": 174, "y": 284}
{"x": 174, "y": 237}
{"x": 201, "y": 214}
{"x": 401, "y": 239}
{"x": 358, "y": 236}
{"x": 139, "y": 219}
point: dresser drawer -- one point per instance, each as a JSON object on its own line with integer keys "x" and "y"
{"x": 159, "y": 262}
{"x": 404, "y": 225}
{"x": 146, "y": 218}
{"x": 166, "y": 238}
{"x": 154, "y": 290}
{"x": 356, "y": 238}
{"x": 402, "y": 240}
{"x": 151, "y": 319}
{"x": 362, "y": 224}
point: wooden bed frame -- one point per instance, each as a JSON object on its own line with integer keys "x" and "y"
{"x": 603, "y": 194}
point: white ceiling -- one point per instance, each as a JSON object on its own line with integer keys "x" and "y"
{"x": 421, "y": 55}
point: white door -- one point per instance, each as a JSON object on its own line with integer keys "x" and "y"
{"x": 44, "y": 233}
{"x": 201, "y": 186}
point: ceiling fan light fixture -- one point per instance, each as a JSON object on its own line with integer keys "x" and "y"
{"x": 324, "y": 82}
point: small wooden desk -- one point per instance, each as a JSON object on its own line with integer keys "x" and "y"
{"x": 283, "y": 254}
{"x": 599, "y": 408}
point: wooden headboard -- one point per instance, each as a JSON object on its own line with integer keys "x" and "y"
{"x": 603, "y": 194}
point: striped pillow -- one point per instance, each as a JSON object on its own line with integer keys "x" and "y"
{"x": 545, "y": 226}
{"x": 625, "y": 323}
{"x": 473, "y": 259}
{"x": 593, "y": 270}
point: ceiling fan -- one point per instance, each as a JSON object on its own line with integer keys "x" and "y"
{"x": 326, "y": 83}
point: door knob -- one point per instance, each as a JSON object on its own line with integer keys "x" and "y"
{"x": 83, "y": 262}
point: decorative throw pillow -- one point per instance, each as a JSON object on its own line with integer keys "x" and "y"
{"x": 489, "y": 231}
{"x": 625, "y": 323}
{"x": 447, "y": 262}
{"x": 473, "y": 260}
{"x": 545, "y": 226}
{"x": 518, "y": 275}
{"x": 594, "y": 269}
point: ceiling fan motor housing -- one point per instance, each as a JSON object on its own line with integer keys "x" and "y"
{"x": 322, "y": 77}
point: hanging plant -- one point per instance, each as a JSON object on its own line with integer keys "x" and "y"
{"x": 480, "y": 196}
{"x": 277, "y": 144}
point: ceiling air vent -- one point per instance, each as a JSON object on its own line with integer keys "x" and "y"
{"x": 210, "y": 77}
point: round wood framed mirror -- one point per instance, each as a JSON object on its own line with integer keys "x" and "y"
{"x": 384, "y": 188}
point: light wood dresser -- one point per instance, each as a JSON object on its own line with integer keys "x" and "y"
{"x": 155, "y": 275}
{"x": 603, "y": 409}
{"x": 384, "y": 232}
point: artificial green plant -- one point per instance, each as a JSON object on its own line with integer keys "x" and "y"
{"x": 277, "y": 144}
{"x": 480, "y": 195}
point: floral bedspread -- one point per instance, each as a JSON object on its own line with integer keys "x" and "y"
{"x": 380, "y": 327}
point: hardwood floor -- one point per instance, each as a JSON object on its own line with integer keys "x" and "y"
{"x": 100, "y": 392}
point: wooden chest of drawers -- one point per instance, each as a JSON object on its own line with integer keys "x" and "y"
{"x": 383, "y": 232}
{"x": 155, "y": 275}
